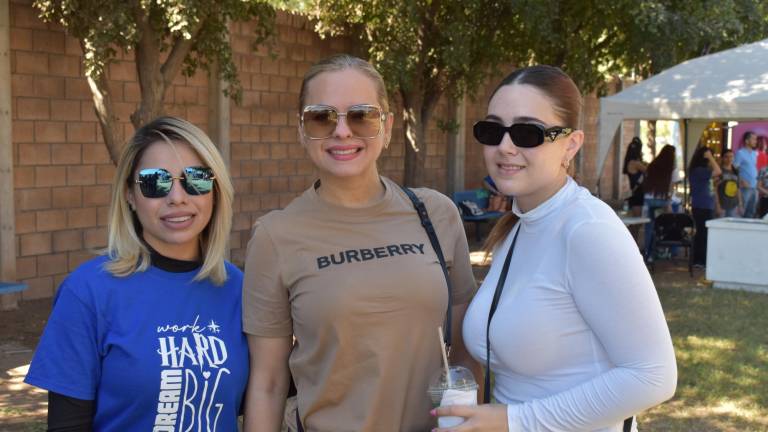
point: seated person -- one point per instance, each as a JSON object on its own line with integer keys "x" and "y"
{"x": 497, "y": 200}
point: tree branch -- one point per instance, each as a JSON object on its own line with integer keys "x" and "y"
{"x": 181, "y": 48}
{"x": 105, "y": 112}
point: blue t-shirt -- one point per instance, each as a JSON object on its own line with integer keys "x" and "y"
{"x": 701, "y": 188}
{"x": 746, "y": 162}
{"x": 156, "y": 350}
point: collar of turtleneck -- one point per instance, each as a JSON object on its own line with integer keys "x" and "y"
{"x": 551, "y": 205}
{"x": 171, "y": 265}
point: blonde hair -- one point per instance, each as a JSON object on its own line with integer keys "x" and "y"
{"x": 345, "y": 61}
{"x": 126, "y": 250}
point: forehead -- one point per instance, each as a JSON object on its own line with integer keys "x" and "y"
{"x": 174, "y": 156}
{"x": 516, "y": 103}
{"x": 341, "y": 89}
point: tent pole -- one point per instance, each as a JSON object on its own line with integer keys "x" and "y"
{"x": 685, "y": 164}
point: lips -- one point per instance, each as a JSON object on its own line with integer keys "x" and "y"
{"x": 344, "y": 153}
{"x": 509, "y": 168}
{"x": 178, "y": 221}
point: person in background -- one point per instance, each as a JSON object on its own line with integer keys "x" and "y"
{"x": 578, "y": 341}
{"x": 762, "y": 152}
{"x": 149, "y": 335}
{"x": 762, "y": 188}
{"x": 497, "y": 201}
{"x": 746, "y": 162}
{"x": 634, "y": 168}
{"x": 728, "y": 201}
{"x": 348, "y": 270}
{"x": 660, "y": 177}
{"x": 701, "y": 170}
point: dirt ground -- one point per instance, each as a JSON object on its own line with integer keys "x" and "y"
{"x": 23, "y": 408}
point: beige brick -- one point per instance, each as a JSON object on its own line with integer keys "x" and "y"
{"x": 50, "y": 176}
{"x": 94, "y": 196}
{"x": 21, "y": 39}
{"x": 77, "y": 88}
{"x": 65, "y": 65}
{"x": 269, "y": 168}
{"x": 23, "y": 177}
{"x": 70, "y": 240}
{"x": 76, "y": 258}
{"x": 260, "y": 151}
{"x": 185, "y": 95}
{"x": 48, "y": 41}
{"x": 48, "y": 265}
{"x": 25, "y": 222}
{"x": 38, "y": 288}
{"x": 81, "y": 132}
{"x": 278, "y": 151}
{"x": 51, "y": 220}
{"x": 26, "y": 267}
{"x": 249, "y": 168}
{"x": 67, "y": 197}
{"x": 260, "y": 185}
{"x": 122, "y": 71}
{"x": 81, "y": 217}
{"x": 31, "y": 62}
{"x": 50, "y": 87}
{"x": 278, "y": 184}
{"x": 33, "y": 199}
{"x": 102, "y": 216}
{"x": 65, "y": 110}
{"x": 50, "y": 132}
{"x": 65, "y": 154}
{"x": 81, "y": 175}
{"x": 23, "y": 131}
{"x": 105, "y": 174}
{"x": 286, "y": 168}
{"x": 95, "y": 238}
{"x": 22, "y": 85}
{"x": 33, "y": 109}
{"x": 35, "y": 244}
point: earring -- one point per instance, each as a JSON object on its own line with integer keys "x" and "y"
{"x": 566, "y": 164}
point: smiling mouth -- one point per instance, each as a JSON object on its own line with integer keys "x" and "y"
{"x": 336, "y": 152}
{"x": 178, "y": 219}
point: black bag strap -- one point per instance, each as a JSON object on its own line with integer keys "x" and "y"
{"x": 421, "y": 209}
{"x": 494, "y": 305}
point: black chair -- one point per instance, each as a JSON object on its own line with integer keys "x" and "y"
{"x": 672, "y": 230}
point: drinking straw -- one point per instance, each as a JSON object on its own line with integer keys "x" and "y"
{"x": 445, "y": 356}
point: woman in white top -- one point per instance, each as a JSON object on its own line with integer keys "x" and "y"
{"x": 578, "y": 341}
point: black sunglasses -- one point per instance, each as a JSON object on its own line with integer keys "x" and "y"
{"x": 525, "y": 135}
{"x": 157, "y": 182}
{"x": 364, "y": 121}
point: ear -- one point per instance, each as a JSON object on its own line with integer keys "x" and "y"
{"x": 573, "y": 145}
{"x": 130, "y": 197}
{"x": 388, "y": 124}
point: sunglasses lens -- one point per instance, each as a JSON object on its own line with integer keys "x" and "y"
{"x": 364, "y": 121}
{"x": 319, "y": 122}
{"x": 155, "y": 182}
{"x": 198, "y": 180}
{"x": 526, "y": 135}
{"x": 488, "y": 133}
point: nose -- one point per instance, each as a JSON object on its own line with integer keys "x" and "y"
{"x": 177, "y": 195}
{"x": 507, "y": 145}
{"x": 342, "y": 129}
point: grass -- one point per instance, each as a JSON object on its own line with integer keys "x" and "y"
{"x": 721, "y": 342}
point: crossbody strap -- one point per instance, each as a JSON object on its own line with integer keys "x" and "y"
{"x": 421, "y": 209}
{"x": 494, "y": 305}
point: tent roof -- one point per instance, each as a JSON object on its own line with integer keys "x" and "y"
{"x": 730, "y": 84}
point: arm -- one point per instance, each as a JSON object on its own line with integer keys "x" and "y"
{"x": 459, "y": 353}
{"x": 68, "y": 414}
{"x": 637, "y": 166}
{"x": 267, "y": 383}
{"x": 713, "y": 166}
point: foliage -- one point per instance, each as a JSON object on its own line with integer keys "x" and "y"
{"x": 167, "y": 37}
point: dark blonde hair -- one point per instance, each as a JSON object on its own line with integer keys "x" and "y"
{"x": 566, "y": 102}
{"x": 340, "y": 62}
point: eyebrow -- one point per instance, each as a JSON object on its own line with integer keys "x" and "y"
{"x": 523, "y": 119}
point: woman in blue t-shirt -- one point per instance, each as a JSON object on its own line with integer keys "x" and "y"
{"x": 148, "y": 336}
{"x": 701, "y": 170}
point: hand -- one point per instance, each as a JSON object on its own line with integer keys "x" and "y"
{"x": 492, "y": 418}
{"x": 719, "y": 212}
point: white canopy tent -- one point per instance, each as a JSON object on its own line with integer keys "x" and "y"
{"x": 727, "y": 85}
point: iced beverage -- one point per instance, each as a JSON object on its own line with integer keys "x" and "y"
{"x": 456, "y": 388}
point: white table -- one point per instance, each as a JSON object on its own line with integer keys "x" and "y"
{"x": 634, "y": 220}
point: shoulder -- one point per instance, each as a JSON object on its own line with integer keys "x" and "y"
{"x": 93, "y": 269}
{"x": 233, "y": 272}
{"x": 587, "y": 214}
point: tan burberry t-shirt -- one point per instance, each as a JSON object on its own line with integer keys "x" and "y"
{"x": 363, "y": 292}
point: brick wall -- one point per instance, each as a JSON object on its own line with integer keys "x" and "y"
{"x": 63, "y": 174}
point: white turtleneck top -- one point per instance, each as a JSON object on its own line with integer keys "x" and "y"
{"x": 579, "y": 341}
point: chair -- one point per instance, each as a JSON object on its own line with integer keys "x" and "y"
{"x": 672, "y": 230}
{"x": 480, "y": 197}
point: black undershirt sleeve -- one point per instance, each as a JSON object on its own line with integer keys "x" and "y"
{"x": 68, "y": 414}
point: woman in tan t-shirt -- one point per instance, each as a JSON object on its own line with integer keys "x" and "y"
{"x": 348, "y": 270}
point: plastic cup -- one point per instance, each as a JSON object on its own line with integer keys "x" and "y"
{"x": 460, "y": 389}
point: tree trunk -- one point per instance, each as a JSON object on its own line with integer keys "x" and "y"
{"x": 652, "y": 137}
{"x": 105, "y": 113}
{"x": 417, "y": 112}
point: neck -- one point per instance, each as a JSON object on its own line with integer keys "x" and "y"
{"x": 183, "y": 252}
{"x": 529, "y": 202}
{"x": 352, "y": 191}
